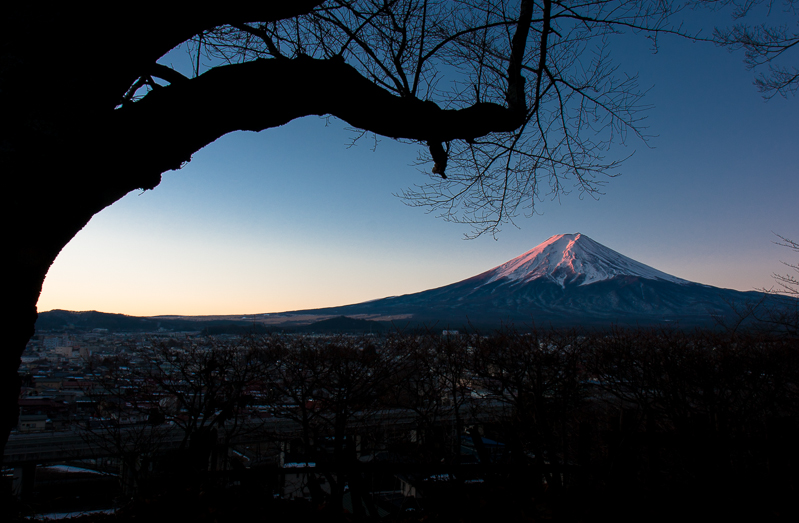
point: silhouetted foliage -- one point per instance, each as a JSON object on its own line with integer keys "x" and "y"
{"x": 664, "y": 416}
{"x": 522, "y": 114}
{"x": 764, "y": 44}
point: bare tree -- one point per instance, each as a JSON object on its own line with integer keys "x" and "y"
{"x": 536, "y": 376}
{"x": 785, "y": 316}
{"x": 694, "y": 404}
{"x": 204, "y": 387}
{"x": 420, "y": 386}
{"x": 331, "y": 387}
{"x": 764, "y": 44}
{"x": 775, "y": 310}
{"x": 510, "y": 100}
{"x": 788, "y": 282}
{"x": 126, "y": 423}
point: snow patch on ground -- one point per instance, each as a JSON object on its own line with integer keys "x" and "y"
{"x": 70, "y": 468}
{"x": 66, "y": 515}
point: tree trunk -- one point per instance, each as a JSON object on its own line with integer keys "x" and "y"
{"x": 68, "y": 150}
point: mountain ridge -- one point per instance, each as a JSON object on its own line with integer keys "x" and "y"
{"x": 567, "y": 280}
{"x": 571, "y": 257}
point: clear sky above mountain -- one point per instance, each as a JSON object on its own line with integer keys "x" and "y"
{"x": 293, "y": 218}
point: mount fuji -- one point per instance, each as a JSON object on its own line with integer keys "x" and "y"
{"x": 567, "y": 280}
{"x": 573, "y": 259}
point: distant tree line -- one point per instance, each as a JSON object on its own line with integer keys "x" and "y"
{"x": 639, "y": 412}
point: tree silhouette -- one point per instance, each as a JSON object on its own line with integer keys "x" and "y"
{"x": 330, "y": 387}
{"x": 536, "y": 378}
{"x": 764, "y": 45}
{"x": 789, "y": 283}
{"x": 89, "y": 115}
{"x": 126, "y": 422}
{"x": 785, "y": 317}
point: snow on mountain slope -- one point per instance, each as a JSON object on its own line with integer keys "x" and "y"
{"x": 573, "y": 258}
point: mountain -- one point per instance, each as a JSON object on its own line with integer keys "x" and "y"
{"x": 567, "y": 280}
{"x": 572, "y": 259}
{"x": 58, "y": 319}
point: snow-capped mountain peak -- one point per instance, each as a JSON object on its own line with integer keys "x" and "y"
{"x": 573, "y": 258}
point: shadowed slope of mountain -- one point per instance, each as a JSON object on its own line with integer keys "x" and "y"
{"x": 58, "y": 319}
{"x": 569, "y": 279}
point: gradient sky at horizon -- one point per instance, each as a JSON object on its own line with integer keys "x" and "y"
{"x": 292, "y": 218}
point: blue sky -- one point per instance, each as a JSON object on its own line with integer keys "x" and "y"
{"x": 293, "y": 218}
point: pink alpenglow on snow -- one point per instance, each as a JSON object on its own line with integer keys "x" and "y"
{"x": 567, "y": 258}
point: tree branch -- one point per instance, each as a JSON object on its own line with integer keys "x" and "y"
{"x": 170, "y": 124}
